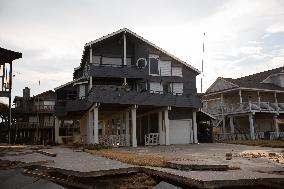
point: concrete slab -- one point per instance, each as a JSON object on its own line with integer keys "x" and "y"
{"x": 74, "y": 162}
{"x": 165, "y": 185}
{"x": 13, "y": 179}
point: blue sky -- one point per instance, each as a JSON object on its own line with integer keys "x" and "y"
{"x": 242, "y": 37}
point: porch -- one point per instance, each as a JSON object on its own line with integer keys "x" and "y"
{"x": 132, "y": 125}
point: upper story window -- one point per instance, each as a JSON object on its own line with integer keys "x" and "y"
{"x": 177, "y": 71}
{"x": 141, "y": 62}
{"x": 154, "y": 64}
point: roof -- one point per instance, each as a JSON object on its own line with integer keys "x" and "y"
{"x": 45, "y": 94}
{"x": 70, "y": 82}
{"x": 7, "y": 56}
{"x": 254, "y": 81}
{"x": 144, "y": 40}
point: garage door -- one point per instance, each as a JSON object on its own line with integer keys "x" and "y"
{"x": 181, "y": 132}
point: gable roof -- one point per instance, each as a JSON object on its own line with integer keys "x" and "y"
{"x": 144, "y": 40}
{"x": 254, "y": 81}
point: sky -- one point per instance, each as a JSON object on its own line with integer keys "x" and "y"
{"x": 241, "y": 37}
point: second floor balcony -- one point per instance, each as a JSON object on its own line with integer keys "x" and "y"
{"x": 245, "y": 107}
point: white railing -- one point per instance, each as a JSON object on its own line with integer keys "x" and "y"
{"x": 152, "y": 139}
{"x": 113, "y": 140}
{"x": 245, "y": 107}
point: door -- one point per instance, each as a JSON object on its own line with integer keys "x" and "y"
{"x": 180, "y": 131}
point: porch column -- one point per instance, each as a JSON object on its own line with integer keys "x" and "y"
{"x": 133, "y": 121}
{"x": 121, "y": 124}
{"x": 195, "y": 139}
{"x": 127, "y": 128}
{"x": 232, "y": 126}
{"x": 161, "y": 131}
{"x": 90, "y": 127}
{"x": 124, "y": 48}
{"x": 91, "y": 55}
{"x": 90, "y": 83}
{"x": 276, "y": 125}
{"x": 251, "y": 125}
{"x": 167, "y": 126}
{"x": 240, "y": 94}
{"x": 258, "y": 96}
{"x": 56, "y": 130}
{"x": 96, "y": 125}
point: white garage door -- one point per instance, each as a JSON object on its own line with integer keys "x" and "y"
{"x": 181, "y": 132}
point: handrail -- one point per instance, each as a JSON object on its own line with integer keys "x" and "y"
{"x": 245, "y": 107}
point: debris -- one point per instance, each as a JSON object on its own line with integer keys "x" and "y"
{"x": 46, "y": 153}
{"x": 229, "y": 156}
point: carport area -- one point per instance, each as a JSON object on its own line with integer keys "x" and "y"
{"x": 204, "y": 126}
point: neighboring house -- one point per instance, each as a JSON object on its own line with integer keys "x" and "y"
{"x": 250, "y": 107}
{"x": 6, "y": 79}
{"x": 127, "y": 91}
{"x": 33, "y": 118}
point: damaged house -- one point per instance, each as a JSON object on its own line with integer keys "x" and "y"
{"x": 250, "y": 107}
{"x": 128, "y": 92}
{"x": 33, "y": 118}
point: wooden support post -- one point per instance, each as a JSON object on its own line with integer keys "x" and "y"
{"x": 133, "y": 121}
{"x": 90, "y": 83}
{"x": 127, "y": 128}
{"x": 161, "y": 129}
{"x": 241, "y": 98}
{"x": 195, "y": 139}
{"x": 124, "y": 49}
{"x": 90, "y": 127}
{"x": 96, "y": 125}
{"x": 121, "y": 127}
{"x": 232, "y": 126}
{"x": 258, "y": 96}
{"x": 56, "y": 130}
{"x": 10, "y": 103}
{"x": 91, "y": 55}
{"x": 276, "y": 126}
{"x": 167, "y": 126}
{"x": 251, "y": 124}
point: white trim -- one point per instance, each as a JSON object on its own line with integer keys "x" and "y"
{"x": 146, "y": 41}
{"x": 79, "y": 83}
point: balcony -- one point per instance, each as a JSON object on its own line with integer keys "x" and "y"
{"x": 246, "y": 107}
{"x": 43, "y": 108}
{"x": 32, "y": 125}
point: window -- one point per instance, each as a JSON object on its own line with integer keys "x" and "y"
{"x": 141, "y": 62}
{"x": 154, "y": 66}
{"x": 167, "y": 88}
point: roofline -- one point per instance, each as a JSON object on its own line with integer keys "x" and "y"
{"x": 216, "y": 82}
{"x": 68, "y": 83}
{"x": 146, "y": 41}
{"x": 243, "y": 88}
{"x": 280, "y": 73}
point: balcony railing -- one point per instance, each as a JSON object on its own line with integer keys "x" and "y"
{"x": 43, "y": 108}
{"x": 30, "y": 125}
{"x": 246, "y": 107}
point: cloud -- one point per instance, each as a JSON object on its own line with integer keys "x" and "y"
{"x": 242, "y": 37}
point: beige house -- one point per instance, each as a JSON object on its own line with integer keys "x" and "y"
{"x": 250, "y": 107}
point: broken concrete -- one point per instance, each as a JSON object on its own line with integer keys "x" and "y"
{"x": 165, "y": 185}
{"x": 193, "y": 165}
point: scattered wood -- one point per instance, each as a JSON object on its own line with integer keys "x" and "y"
{"x": 46, "y": 153}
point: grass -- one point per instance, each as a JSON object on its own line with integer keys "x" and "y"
{"x": 134, "y": 158}
{"x": 262, "y": 143}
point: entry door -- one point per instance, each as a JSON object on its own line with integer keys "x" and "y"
{"x": 181, "y": 131}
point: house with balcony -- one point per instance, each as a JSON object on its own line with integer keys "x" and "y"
{"x": 128, "y": 92}
{"x": 33, "y": 118}
{"x": 250, "y": 107}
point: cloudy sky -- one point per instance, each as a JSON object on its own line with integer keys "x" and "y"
{"x": 242, "y": 37}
